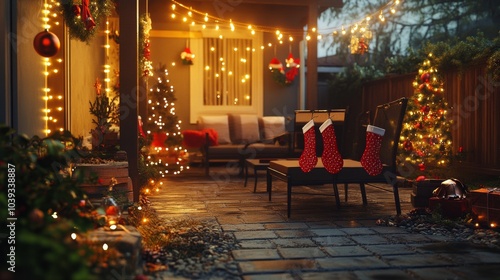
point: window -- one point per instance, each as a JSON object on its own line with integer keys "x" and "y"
{"x": 227, "y": 74}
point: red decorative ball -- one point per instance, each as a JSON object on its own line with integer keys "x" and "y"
{"x": 421, "y": 166}
{"x": 46, "y": 43}
{"x": 425, "y": 109}
{"x": 76, "y": 10}
{"x": 425, "y": 78}
{"x": 408, "y": 146}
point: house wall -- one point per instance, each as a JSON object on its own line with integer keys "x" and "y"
{"x": 86, "y": 63}
{"x": 28, "y": 78}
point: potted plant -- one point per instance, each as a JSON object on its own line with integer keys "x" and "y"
{"x": 105, "y": 111}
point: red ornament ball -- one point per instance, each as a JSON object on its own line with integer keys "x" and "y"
{"x": 425, "y": 77}
{"x": 421, "y": 166}
{"x": 46, "y": 43}
{"x": 408, "y": 146}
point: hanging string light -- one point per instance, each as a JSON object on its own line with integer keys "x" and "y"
{"x": 204, "y": 20}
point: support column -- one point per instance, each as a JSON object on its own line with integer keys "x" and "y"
{"x": 312, "y": 58}
{"x": 129, "y": 87}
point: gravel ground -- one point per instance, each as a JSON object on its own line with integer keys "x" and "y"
{"x": 424, "y": 222}
{"x": 197, "y": 250}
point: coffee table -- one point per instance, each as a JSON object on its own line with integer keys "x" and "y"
{"x": 256, "y": 164}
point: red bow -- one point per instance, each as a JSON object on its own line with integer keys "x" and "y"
{"x": 86, "y": 16}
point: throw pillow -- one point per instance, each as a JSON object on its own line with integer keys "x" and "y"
{"x": 218, "y": 123}
{"x": 273, "y": 126}
{"x": 244, "y": 128}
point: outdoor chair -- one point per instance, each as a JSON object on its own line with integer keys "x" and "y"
{"x": 388, "y": 116}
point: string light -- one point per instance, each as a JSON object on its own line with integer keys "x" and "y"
{"x": 53, "y": 107}
{"x": 203, "y": 17}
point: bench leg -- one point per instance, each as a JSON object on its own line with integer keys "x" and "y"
{"x": 269, "y": 183}
{"x": 396, "y": 199}
{"x": 346, "y": 190}
{"x": 246, "y": 175}
{"x": 255, "y": 179}
{"x": 363, "y": 193}
{"x": 289, "y": 198}
{"x": 336, "y": 193}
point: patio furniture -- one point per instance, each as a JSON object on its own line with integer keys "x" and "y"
{"x": 257, "y": 165}
{"x": 242, "y": 136}
{"x": 388, "y": 116}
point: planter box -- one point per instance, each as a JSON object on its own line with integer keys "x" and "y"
{"x": 450, "y": 208}
{"x": 422, "y": 191}
{"x": 104, "y": 173}
{"x": 485, "y": 204}
{"x": 126, "y": 240}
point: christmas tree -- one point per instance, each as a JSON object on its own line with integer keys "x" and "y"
{"x": 425, "y": 144}
{"x": 163, "y": 127}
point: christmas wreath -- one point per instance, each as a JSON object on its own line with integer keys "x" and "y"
{"x": 83, "y": 20}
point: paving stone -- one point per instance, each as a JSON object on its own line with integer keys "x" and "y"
{"x": 269, "y": 276}
{"x": 276, "y": 266}
{"x": 389, "y": 230}
{"x": 293, "y": 242}
{"x": 262, "y": 218}
{"x": 286, "y": 226}
{"x": 352, "y": 263}
{"x": 256, "y": 244}
{"x": 321, "y": 224}
{"x": 255, "y": 234}
{"x": 358, "y": 231}
{"x": 390, "y": 249}
{"x": 300, "y": 253}
{"x": 294, "y": 233}
{"x": 242, "y": 227}
{"x": 369, "y": 239}
{"x": 256, "y": 254}
{"x": 333, "y": 240}
{"x": 408, "y": 238}
{"x": 383, "y": 274}
{"x": 328, "y": 232}
{"x": 473, "y": 258}
{"x": 344, "y": 275}
{"x": 440, "y": 273}
{"x": 347, "y": 251}
{"x": 417, "y": 260}
{"x": 347, "y": 224}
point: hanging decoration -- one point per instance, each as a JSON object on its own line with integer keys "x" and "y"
{"x": 359, "y": 45}
{"x": 46, "y": 43}
{"x": 281, "y": 76}
{"x": 146, "y": 64}
{"x": 186, "y": 56}
{"x": 83, "y": 20}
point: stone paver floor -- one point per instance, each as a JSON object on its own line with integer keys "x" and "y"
{"x": 319, "y": 241}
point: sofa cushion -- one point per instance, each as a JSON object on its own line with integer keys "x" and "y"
{"x": 244, "y": 128}
{"x": 218, "y": 123}
{"x": 273, "y": 126}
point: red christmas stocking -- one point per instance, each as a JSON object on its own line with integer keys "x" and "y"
{"x": 308, "y": 159}
{"x": 370, "y": 160}
{"x": 331, "y": 158}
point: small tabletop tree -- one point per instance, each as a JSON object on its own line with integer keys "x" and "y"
{"x": 106, "y": 112}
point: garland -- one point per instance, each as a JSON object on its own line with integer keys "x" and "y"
{"x": 146, "y": 66}
{"x": 73, "y": 14}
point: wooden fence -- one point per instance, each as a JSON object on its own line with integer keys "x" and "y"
{"x": 474, "y": 100}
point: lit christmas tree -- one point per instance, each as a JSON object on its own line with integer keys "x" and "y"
{"x": 163, "y": 127}
{"x": 426, "y": 133}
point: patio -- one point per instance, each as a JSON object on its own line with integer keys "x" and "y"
{"x": 318, "y": 241}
